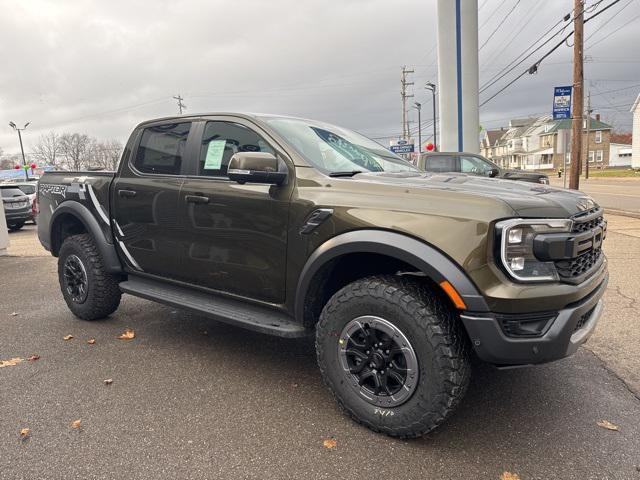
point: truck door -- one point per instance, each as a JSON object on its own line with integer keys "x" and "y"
{"x": 235, "y": 236}
{"x": 145, "y": 199}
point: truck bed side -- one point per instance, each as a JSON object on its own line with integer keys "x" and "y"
{"x": 76, "y": 202}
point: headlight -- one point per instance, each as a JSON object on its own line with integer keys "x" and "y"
{"x": 515, "y": 238}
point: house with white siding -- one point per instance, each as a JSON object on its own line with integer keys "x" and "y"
{"x": 635, "y": 146}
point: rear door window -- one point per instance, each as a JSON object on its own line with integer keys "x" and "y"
{"x": 27, "y": 189}
{"x": 221, "y": 140}
{"x": 162, "y": 149}
{"x": 441, "y": 163}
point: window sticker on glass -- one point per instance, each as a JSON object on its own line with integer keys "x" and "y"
{"x": 215, "y": 151}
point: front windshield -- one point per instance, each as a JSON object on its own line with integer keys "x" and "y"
{"x": 333, "y": 149}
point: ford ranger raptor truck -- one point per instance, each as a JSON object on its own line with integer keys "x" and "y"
{"x": 294, "y": 227}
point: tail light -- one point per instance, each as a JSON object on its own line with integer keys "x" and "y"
{"x": 35, "y": 209}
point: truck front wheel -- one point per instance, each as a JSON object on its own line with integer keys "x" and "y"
{"x": 90, "y": 292}
{"x": 393, "y": 354}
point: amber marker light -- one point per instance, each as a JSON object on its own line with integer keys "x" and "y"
{"x": 453, "y": 295}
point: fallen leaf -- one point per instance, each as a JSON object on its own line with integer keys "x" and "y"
{"x": 67, "y": 337}
{"x": 13, "y": 314}
{"x": 76, "y": 424}
{"x": 608, "y": 425}
{"x": 33, "y": 358}
{"x": 11, "y": 362}
{"x": 24, "y": 432}
{"x": 128, "y": 334}
{"x": 91, "y": 341}
{"x": 330, "y": 443}
{"x": 509, "y": 476}
{"x": 108, "y": 381}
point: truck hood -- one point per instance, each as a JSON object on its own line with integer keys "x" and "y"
{"x": 526, "y": 199}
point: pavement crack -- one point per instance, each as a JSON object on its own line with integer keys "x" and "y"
{"x": 629, "y": 388}
{"x": 632, "y": 301}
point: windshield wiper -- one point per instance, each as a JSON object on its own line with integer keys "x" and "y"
{"x": 345, "y": 174}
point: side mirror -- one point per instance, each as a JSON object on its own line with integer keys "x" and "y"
{"x": 494, "y": 172}
{"x": 255, "y": 167}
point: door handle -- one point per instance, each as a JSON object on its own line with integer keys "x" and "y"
{"x": 127, "y": 193}
{"x": 196, "y": 199}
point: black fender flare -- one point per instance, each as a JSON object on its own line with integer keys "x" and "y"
{"x": 107, "y": 250}
{"x": 427, "y": 259}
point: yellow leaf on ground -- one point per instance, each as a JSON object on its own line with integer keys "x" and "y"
{"x": 608, "y": 425}
{"x": 330, "y": 443}
{"x": 76, "y": 424}
{"x": 11, "y": 362}
{"x": 128, "y": 334}
{"x": 24, "y": 432}
{"x": 91, "y": 341}
{"x": 67, "y": 337}
{"x": 509, "y": 476}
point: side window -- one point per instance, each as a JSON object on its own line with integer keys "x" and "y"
{"x": 161, "y": 149}
{"x": 221, "y": 140}
{"x": 474, "y": 165}
{"x": 440, "y": 163}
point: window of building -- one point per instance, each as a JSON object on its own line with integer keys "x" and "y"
{"x": 599, "y": 156}
{"x": 598, "y": 136}
{"x": 591, "y": 156}
{"x": 162, "y": 148}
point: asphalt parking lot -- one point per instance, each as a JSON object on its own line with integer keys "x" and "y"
{"x": 193, "y": 398}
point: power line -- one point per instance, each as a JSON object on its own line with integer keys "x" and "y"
{"x": 534, "y": 68}
{"x": 504, "y": 19}
{"x": 490, "y": 16}
{"x": 608, "y": 20}
{"x": 614, "y": 31}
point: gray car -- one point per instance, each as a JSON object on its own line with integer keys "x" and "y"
{"x": 17, "y": 206}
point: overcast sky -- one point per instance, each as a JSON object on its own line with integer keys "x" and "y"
{"x": 99, "y": 67}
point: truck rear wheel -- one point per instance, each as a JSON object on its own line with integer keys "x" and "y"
{"x": 90, "y": 292}
{"x": 393, "y": 354}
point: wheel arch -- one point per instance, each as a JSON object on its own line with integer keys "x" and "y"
{"x": 397, "y": 252}
{"x": 74, "y": 218}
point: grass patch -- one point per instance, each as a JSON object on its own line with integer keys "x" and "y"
{"x": 614, "y": 172}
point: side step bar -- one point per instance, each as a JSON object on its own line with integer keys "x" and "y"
{"x": 227, "y": 310}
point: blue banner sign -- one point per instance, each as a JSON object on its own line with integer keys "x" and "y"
{"x": 407, "y": 148}
{"x": 561, "y": 102}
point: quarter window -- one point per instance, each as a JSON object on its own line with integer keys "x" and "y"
{"x": 441, "y": 163}
{"x": 161, "y": 149}
{"x": 221, "y": 140}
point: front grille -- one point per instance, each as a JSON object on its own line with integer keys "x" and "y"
{"x": 583, "y": 320}
{"x": 575, "y": 268}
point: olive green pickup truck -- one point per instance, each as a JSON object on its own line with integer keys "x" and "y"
{"x": 295, "y": 227}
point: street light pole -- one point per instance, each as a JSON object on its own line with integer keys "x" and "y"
{"x": 418, "y": 106}
{"x": 431, "y": 86}
{"x": 24, "y": 160}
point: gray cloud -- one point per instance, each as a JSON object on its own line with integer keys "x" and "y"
{"x": 100, "y": 67}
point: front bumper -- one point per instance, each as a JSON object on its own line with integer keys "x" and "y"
{"x": 572, "y": 326}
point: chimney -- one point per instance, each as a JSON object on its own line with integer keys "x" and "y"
{"x": 597, "y": 116}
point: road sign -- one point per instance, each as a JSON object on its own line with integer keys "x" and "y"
{"x": 561, "y": 102}
{"x": 407, "y": 148}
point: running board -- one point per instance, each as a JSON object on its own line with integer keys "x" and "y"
{"x": 252, "y": 317}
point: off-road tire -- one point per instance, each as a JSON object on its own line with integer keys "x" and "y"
{"x": 103, "y": 292}
{"x": 14, "y": 227}
{"x": 434, "y": 331}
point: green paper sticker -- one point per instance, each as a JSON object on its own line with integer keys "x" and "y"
{"x": 215, "y": 151}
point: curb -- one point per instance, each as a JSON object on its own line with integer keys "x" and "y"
{"x": 622, "y": 213}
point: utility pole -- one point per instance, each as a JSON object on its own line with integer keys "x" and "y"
{"x": 418, "y": 106}
{"x": 403, "y": 94}
{"x": 578, "y": 94}
{"x": 431, "y": 86}
{"x": 586, "y": 163}
{"x": 181, "y": 105}
{"x": 19, "y": 130}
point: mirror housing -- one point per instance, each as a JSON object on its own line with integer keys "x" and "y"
{"x": 494, "y": 172}
{"x": 255, "y": 167}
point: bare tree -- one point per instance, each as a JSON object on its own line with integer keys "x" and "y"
{"x": 107, "y": 154}
{"x": 76, "y": 149}
{"x": 48, "y": 150}
{"x": 9, "y": 161}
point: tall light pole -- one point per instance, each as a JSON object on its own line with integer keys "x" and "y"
{"x": 19, "y": 130}
{"x": 418, "y": 106}
{"x": 432, "y": 87}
